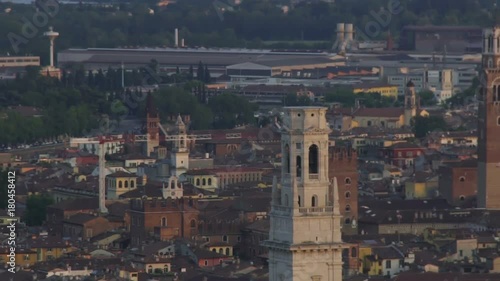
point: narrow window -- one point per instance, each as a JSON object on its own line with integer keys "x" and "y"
{"x": 313, "y": 159}
{"x": 287, "y": 158}
{"x": 299, "y": 166}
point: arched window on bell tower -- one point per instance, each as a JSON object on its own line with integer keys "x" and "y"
{"x": 497, "y": 94}
{"x": 299, "y": 166}
{"x": 313, "y": 159}
{"x": 314, "y": 201}
{"x": 490, "y": 43}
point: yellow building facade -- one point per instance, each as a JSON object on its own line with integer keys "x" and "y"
{"x": 393, "y": 118}
{"x": 24, "y": 257}
{"x": 421, "y": 189}
{"x": 208, "y": 182}
{"x": 384, "y": 90}
{"x": 222, "y": 249}
{"x": 119, "y": 183}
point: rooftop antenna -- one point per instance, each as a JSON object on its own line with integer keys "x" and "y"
{"x": 52, "y": 36}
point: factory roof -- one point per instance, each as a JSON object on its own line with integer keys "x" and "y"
{"x": 210, "y": 57}
{"x": 441, "y": 28}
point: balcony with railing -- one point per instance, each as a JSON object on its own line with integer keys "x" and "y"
{"x": 314, "y": 176}
{"x": 315, "y": 210}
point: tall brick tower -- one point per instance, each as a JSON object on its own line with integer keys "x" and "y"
{"x": 488, "y": 195}
{"x": 343, "y": 164}
{"x": 153, "y": 129}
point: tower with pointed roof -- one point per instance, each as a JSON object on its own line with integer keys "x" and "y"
{"x": 411, "y": 105}
{"x": 305, "y": 240}
{"x": 180, "y": 152}
{"x": 488, "y": 186}
{"x": 152, "y": 125}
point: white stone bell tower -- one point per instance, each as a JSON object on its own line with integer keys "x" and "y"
{"x": 305, "y": 241}
{"x": 180, "y": 152}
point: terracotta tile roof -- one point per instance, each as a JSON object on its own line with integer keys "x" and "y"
{"x": 405, "y": 204}
{"x": 205, "y": 254}
{"x": 151, "y": 190}
{"x": 404, "y": 145}
{"x": 77, "y": 204}
{"x": 467, "y": 163}
{"x": 81, "y": 218}
{"x": 259, "y": 226}
{"x": 388, "y": 112}
{"x": 19, "y": 276}
{"x": 210, "y": 277}
{"x": 121, "y": 174}
{"x": 48, "y": 242}
{"x": 118, "y": 209}
{"x": 431, "y": 276}
{"x": 386, "y": 253}
{"x": 154, "y": 248}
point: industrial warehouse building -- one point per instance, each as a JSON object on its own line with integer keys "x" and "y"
{"x": 170, "y": 58}
{"x": 441, "y": 38}
{"x": 277, "y": 67}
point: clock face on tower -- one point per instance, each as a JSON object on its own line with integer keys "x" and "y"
{"x": 173, "y": 193}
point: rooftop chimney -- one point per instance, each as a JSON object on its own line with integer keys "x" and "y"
{"x": 349, "y": 32}
{"x": 176, "y": 37}
{"x": 340, "y": 33}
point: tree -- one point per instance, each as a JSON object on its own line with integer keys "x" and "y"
{"x": 297, "y": 100}
{"x": 90, "y": 79}
{"x": 191, "y": 73}
{"x": 36, "y": 209}
{"x": 206, "y": 75}
{"x": 200, "y": 73}
{"x": 465, "y": 97}
{"x": 79, "y": 76}
{"x": 427, "y": 98}
{"x": 177, "y": 70}
{"x": 424, "y": 125}
{"x": 153, "y": 64}
{"x": 231, "y": 110}
{"x": 342, "y": 95}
